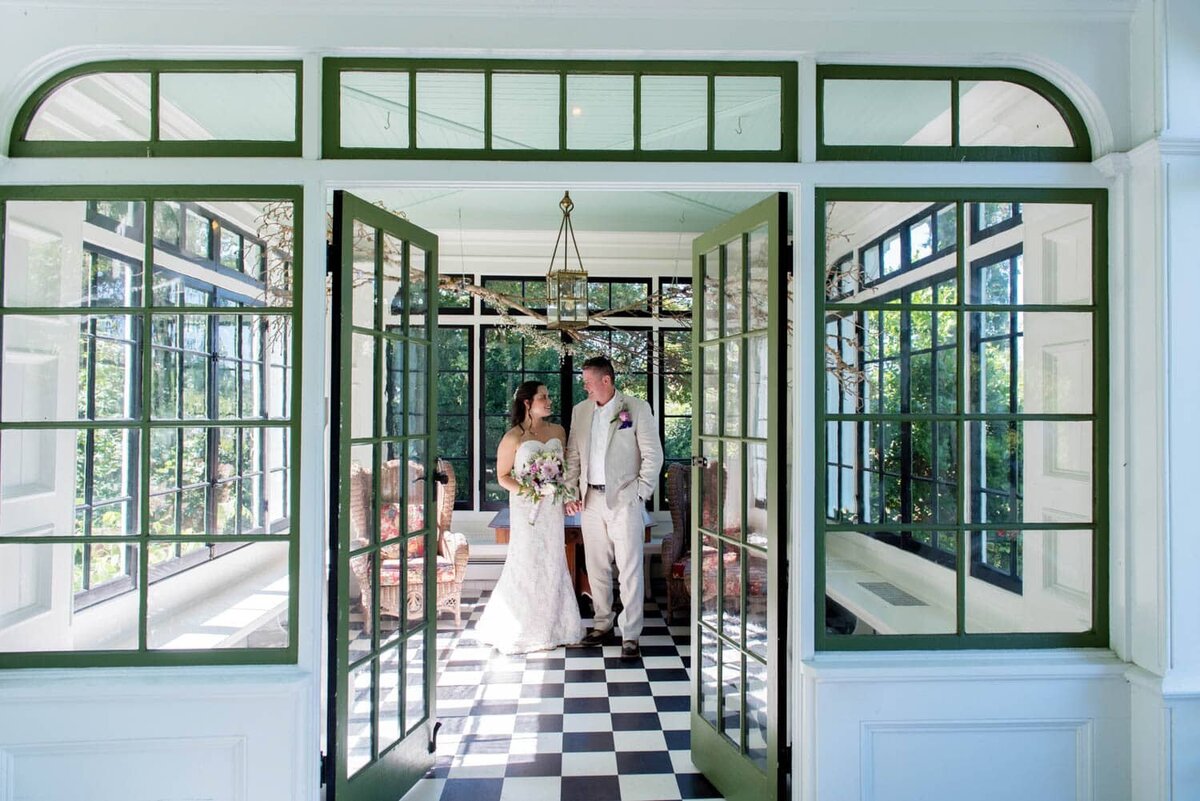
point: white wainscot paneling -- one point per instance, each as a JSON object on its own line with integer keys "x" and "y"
{"x": 985, "y": 727}
{"x": 192, "y": 734}
{"x": 193, "y": 768}
{"x": 1054, "y": 759}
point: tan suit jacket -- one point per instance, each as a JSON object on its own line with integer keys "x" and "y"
{"x": 634, "y": 456}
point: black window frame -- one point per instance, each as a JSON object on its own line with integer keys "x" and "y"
{"x": 464, "y": 465}
{"x": 980, "y": 232}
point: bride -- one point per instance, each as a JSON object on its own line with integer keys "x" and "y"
{"x": 533, "y": 606}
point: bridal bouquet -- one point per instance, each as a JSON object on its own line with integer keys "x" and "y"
{"x": 540, "y": 479}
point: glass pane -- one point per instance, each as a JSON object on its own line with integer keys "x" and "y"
{"x": 1033, "y": 471}
{"x": 364, "y": 520}
{"x": 757, "y": 505}
{"x": 757, "y": 291}
{"x": 747, "y": 113}
{"x": 1051, "y": 262}
{"x": 418, "y": 388}
{"x": 731, "y": 592}
{"x": 707, "y": 659}
{"x": 757, "y": 384}
{"x": 108, "y": 107}
{"x": 392, "y": 298}
{"x": 711, "y": 294}
{"x": 34, "y": 587}
{"x": 883, "y": 112}
{"x": 758, "y": 712}
{"x": 197, "y": 105}
{"x": 758, "y": 599}
{"x": 360, "y": 707}
{"x": 674, "y": 112}
{"x": 600, "y": 112}
{"x": 731, "y": 491}
{"x": 1006, "y": 114}
{"x": 886, "y": 590}
{"x": 417, "y": 489}
{"x": 69, "y": 367}
{"x": 920, "y": 240}
{"x": 389, "y": 697}
{"x": 418, "y": 292}
{"x": 450, "y": 110}
{"x": 709, "y": 566}
{"x": 50, "y": 258}
{"x": 362, "y": 376}
{"x": 68, "y": 482}
{"x": 374, "y": 109}
{"x": 872, "y": 230}
{"x": 732, "y": 391}
{"x": 732, "y": 289}
{"x": 415, "y": 707}
{"x": 710, "y": 386}
{"x": 1032, "y": 362}
{"x": 1030, "y": 581}
{"x": 731, "y": 693}
{"x": 237, "y": 600}
{"x": 525, "y": 111}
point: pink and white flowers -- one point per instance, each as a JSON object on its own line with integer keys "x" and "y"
{"x": 540, "y": 479}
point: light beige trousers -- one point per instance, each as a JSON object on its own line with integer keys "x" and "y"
{"x": 614, "y": 535}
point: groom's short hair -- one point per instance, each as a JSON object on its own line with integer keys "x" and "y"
{"x": 601, "y": 365}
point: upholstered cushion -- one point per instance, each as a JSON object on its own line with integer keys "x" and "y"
{"x": 756, "y": 580}
{"x": 389, "y": 529}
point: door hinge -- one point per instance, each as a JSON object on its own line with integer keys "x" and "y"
{"x": 324, "y": 767}
{"x": 785, "y": 758}
{"x": 331, "y": 260}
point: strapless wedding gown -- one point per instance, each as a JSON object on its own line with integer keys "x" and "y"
{"x": 533, "y": 606}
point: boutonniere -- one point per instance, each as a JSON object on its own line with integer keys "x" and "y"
{"x": 623, "y": 417}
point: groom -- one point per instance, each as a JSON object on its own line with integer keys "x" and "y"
{"x": 614, "y": 454}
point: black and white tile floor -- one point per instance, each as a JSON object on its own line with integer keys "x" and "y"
{"x": 576, "y": 724}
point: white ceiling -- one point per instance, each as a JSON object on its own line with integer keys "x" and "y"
{"x": 537, "y": 209}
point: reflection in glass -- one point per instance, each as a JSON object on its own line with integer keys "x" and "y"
{"x": 732, "y": 289}
{"x": 708, "y": 677}
{"x": 418, "y": 388}
{"x": 362, "y": 371}
{"x": 194, "y": 106}
{"x": 389, "y": 696}
{"x": 710, "y": 580}
{"x": 757, "y": 506}
{"x": 360, "y": 708}
{"x": 392, "y": 287}
{"x": 450, "y": 110}
{"x": 674, "y": 112}
{"x": 710, "y": 387}
{"x": 1003, "y": 114}
{"x": 758, "y": 296}
{"x": 415, "y": 706}
{"x": 758, "y": 712}
{"x": 886, "y": 112}
{"x": 731, "y": 693}
{"x": 524, "y": 111}
{"x": 731, "y": 490}
{"x": 600, "y": 112}
{"x": 747, "y": 112}
{"x": 374, "y": 109}
{"x": 758, "y": 587}
{"x": 892, "y": 591}
{"x": 731, "y": 594}
{"x": 711, "y": 294}
{"x": 757, "y": 387}
{"x": 108, "y": 107}
{"x": 1030, "y": 581}
{"x": 364, "y": 277}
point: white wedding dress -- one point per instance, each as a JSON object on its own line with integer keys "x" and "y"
{"x": 533, "y": 606}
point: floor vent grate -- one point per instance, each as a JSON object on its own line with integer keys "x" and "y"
{"x": 891, "y": 593}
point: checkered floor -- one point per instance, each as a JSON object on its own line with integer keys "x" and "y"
{"x": 570, "y": 724}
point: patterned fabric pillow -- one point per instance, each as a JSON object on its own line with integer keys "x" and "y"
{"x": 389, "y": 529}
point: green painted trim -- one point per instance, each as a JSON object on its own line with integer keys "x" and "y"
{"x": 142, "y": 655}
{"x": 722, "y": 759}
{"x": 1081, "y": 150}
{"x": 786, "y": 71}
{"x": 1098, "y": 635}
{"x": 396, "y": 767}
{"x": 154, "y": 146}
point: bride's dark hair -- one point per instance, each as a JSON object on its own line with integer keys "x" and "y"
{"x": 523, "y": 395}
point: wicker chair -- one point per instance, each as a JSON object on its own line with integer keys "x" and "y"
{"x": 452, "y": 556}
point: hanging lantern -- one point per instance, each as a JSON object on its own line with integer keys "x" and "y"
{"x": 566, "y": 289}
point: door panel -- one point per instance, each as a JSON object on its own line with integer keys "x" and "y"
{"x": 739, "y": 590}
{"x": 383, "y": 441}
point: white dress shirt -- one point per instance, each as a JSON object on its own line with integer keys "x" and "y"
{"x": 598, "y": 447}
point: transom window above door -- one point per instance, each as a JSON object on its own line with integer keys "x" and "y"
{"x": 560, "y": 110}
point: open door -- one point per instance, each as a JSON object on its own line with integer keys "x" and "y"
{"x": 738, "y": 505}
{"x": 382, "y": 452}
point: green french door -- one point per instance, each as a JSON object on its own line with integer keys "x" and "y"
{"x": 739, "y": 590}
{"x": 382, "y": 608}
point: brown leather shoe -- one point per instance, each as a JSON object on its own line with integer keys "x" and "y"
{"x": 594, "y": 637}
{"x": 630, "y": 650}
